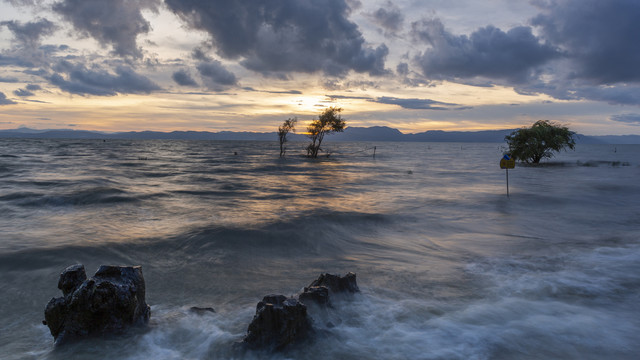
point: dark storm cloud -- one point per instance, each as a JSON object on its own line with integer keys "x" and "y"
{"x": 600, "y": 37}
{"x": 26, "y": 50}
{"x": 183, "y": 78}
{"x": 585, "y": 49}
{"x": 633, "y": 119}
{"x": 115, "y": 22}
{"x": 488, "y": 52}
{"x": 402, "y": 69}
{"x": 283, "y": 36}
{"x": 389, "y": 17}
{"x": 4, "y": 100}
{"x": 621, "y": 94}
{"x": 215, "y": 76}
{"x": 29, "y": 34}
{"x": 33, "y": 87}
{"x": 22, "y": 57}
{"x": 82, "y": 81}
{"x": 200, "y": 54}
{"x": 22, "y": 93}
{"x": 573, "y": 89}
{"x": 8, "y": 79}
{"x": 417, "y": 104}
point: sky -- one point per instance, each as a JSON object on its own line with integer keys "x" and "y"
{"x": 248, "y": 65}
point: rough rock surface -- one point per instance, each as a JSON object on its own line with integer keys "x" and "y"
{"x": 202, "y": 310}
{"x": 318, "y": 295}
{"x": 279, "y": 321}
{"x": 336, "y": 283}
{"x": 108, "y": 303}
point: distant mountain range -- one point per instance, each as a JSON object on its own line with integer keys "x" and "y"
{"x": 375, "y": 133}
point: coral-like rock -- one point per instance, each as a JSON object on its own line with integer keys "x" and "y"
{"x": 108, "y": 303}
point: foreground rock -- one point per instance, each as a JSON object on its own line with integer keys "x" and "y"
{"x": 318, "y": 295}
{"x": 279, "y": 321}
{"x": 336, "y": 283}
{"x": 108, "y": 303}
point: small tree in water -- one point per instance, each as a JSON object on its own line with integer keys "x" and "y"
{"x": 539, "y": 141}
{"x": 283, "y": 130}
{"x": 328, "y": 122}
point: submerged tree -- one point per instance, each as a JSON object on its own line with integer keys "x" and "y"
{"x": 283, "y": 130}
{"x": 539, "y": 141}
{"x": 328, "y": 122}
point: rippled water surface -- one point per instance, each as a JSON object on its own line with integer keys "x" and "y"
{"x": 449, "y": 267}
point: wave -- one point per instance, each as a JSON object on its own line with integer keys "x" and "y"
{"x": 316, "y": 233}
{"x": 83, "y": 197}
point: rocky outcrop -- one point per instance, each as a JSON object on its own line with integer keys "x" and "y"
{"x": 201, "y": 310}
{"x": 318, "y": 295}
{"x": 336, "y": 283}
{"x": 279, "y": 321}
{"x": 108, "y": 303}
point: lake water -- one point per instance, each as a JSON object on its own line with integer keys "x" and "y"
{"x": 448, "y": 266}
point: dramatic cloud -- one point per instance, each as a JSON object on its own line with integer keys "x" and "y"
{"x": 29, "y": 34}
{"x": 585, "y": 47}
{"x": 402, "y": 69}
{"x": 633, "y": 119}
{"x": 600, "y": 37}
{"x": 420, "y": 104}
{"x": 215, "y": 76}
{"x": 489, "y": 52}
{"x": 284, "y": 36}
{"x": 33, "y": 87}
{"x": 82, "y": 81}
{"x": 8, "y": 79}
{"x": 389, "y": 17}
{"x": 26, "y": 50}
{"x": 22, "y": 93}
{"x": 183, "y": 78}
{"x": 114, "y": 22}
{"x": 4, "y": 100}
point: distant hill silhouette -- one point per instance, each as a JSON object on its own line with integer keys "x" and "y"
{"x": 374, "y": 133}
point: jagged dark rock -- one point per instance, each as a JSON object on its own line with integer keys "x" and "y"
{"x": 336, "y": 283}
{"x": 202, "y": 310}
{"x": 318, "y": 295}
{"x": 108, "y": 303}
{"x": 71, "y": 278}
{"x": 279, "y": 321}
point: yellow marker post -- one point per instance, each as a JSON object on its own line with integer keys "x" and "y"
{"x": 507, "y": 163}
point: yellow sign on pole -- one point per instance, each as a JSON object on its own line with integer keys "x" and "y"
{"x": 507, "y": 162}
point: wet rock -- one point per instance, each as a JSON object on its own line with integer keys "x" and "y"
{"x": 279, "y": 321}
{"x": 108, "y": 303}
{"x": 202, "y": 310}
{"x": 336, "y": 283}
{"x": 71, "y": 278}
{"x": 318, "y": 295}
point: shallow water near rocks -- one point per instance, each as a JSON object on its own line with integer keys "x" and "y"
{"x": 448, "y": 266}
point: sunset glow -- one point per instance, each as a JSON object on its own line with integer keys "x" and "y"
{"x": 171, "y": 65}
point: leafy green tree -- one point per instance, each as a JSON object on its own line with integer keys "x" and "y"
{"x": 328, "y": 122}
{"x": 539, "y": 141}
{"x": 283, "y": 130}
